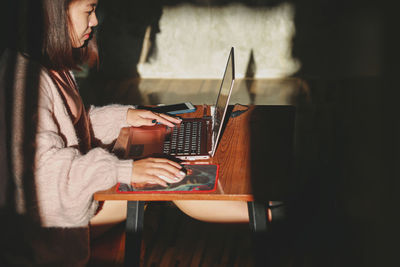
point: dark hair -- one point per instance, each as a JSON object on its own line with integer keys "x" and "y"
{"x": 57, "y": 50}
{"x": 41, "y": 30}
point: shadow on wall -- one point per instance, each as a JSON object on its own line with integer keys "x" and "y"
{"x": 328, "y": 39}
{"x": 124, "y": 24}
{"x": 126, "y": 36}
{"x": 120, "y": 34}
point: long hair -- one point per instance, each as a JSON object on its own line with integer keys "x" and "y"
{"x": 59, "y": 55}
{"x": 57, "y": 50}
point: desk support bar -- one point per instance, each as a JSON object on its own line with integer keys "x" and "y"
{"x": 134, "y": 228}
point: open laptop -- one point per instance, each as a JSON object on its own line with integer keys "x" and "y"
{"x": 193, "y": 139}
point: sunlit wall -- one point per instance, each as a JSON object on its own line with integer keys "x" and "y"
{"x": 194, "y": 42}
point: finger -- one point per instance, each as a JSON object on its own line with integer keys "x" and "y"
{"x": 170, "y": 118}
{"x": 168, "y": 175}
{"x": 163, "y": 160}
{"x": 151, "y": 118}
{"x": 147, "y": 121}
{"x": 154, "y": 179}
{"x": 169, "y": 180}
{"x": 170, "y": 168}
{"x": 161, "y": 120}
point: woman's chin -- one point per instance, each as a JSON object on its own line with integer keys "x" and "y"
{"x": 79, "y": 44}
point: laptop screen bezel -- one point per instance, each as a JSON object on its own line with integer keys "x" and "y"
{"x": 215, "y": 142}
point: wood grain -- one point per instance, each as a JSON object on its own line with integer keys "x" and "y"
{"x": 232, "y": 155}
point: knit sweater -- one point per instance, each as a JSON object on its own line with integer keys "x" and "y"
{"x": 66, "y": 179}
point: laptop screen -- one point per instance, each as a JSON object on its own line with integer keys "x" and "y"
{"x": 223, "y": 99}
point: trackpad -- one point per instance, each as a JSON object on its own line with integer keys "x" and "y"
{"x": 146, "y": 141}
{"x": 136, "y": 150}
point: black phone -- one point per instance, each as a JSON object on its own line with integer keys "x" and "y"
{"x": 172, "y": 109}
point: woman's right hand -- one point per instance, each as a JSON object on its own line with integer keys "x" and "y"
{"x": 156, "y": 171}
{"x": 141, "y": 117}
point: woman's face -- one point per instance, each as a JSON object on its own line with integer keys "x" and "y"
{"x": 83, "y": 17}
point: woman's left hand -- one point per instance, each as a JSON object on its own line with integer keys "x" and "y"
{"x": 141, "y": 117}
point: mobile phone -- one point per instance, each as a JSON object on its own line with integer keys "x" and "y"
{"x": 172, "y": 109}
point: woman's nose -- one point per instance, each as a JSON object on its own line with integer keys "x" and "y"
{"x": 93, "y": 20}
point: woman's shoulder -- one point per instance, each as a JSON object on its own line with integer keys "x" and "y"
{"x": 13, "y": 58}
{"x": 21, "y": 64}
{"x": 25, "y": 71}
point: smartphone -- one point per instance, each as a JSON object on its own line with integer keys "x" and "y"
{"x": 172, "y": 109}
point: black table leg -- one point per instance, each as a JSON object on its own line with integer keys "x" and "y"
{"x": 259, "y": 226}
{"x": 257, "y": 217}
{"x": 134, "y": 227}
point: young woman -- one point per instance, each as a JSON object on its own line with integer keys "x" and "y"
{"x": 82, "y": 18}
{"x": 82, "y": 15}
{"x": 71, "y": 163}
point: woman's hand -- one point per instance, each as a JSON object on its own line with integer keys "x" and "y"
{"x": 156, "y": 171}
{"x": 141, "y": 117}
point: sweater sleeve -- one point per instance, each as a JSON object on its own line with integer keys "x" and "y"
{"x": 66, "y": 180}
{"x": 107, "y": 121}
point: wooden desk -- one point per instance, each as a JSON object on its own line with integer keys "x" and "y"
{"x": 233, "y": 156}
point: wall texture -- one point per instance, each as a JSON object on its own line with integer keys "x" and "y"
{"x": 194, "y": 42}
{"x": 273, "y": 38}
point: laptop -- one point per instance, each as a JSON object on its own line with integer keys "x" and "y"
{"x": 194, "y": 138}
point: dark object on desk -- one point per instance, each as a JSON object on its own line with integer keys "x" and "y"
{"x": 180, "y": 108}
{"x": 239, "y": 112}
{"x": 271, "y": 152}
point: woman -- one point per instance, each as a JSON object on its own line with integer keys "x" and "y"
{"x": 70, "y": 161}
{"x": 82, "y": 17}
{"x": 215, "y": 211}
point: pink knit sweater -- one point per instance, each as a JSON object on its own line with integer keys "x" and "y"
{"x": 65, "y": 179}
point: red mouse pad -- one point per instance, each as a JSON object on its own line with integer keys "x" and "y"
{"x": 201, "y": 178}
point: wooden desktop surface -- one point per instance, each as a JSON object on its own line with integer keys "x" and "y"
{"x": 232, "y": 155}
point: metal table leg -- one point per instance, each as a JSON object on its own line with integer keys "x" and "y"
{"x": 257, "y": 217}
{"x": 134, "y": 228}
{"x": 259, "y": 227}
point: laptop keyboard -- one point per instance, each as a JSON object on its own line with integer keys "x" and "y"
{"x": 184, "y": 139}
